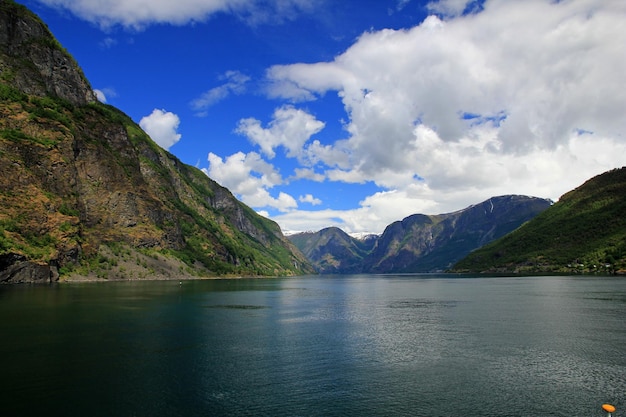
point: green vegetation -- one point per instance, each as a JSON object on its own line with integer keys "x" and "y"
{"x": 211, "y": 241}
{"x": 67, "y": 210}
{"x": 15, "y": 238}
{"x": 584, "y": 232}
{"x": 91, "y": 193}
{"x": 11, "y": 5}
{"x": 419, "y": 243}
{"x": 10, "y": 94}
{"x": 50, "y": 108}
{"x": 15, "y": 135}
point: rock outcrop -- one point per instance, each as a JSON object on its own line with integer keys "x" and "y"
{"x": 35, "y": 61}
{"x": 15, "y": 268}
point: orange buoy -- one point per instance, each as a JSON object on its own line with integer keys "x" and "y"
{"x": 608, "y": 408}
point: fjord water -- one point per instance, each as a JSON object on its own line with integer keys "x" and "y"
{"x": 363, "y": 345}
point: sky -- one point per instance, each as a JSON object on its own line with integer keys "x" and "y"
{"x": 358, "y": 113}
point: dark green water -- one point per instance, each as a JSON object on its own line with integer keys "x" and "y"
{"x": 334, "y": 346}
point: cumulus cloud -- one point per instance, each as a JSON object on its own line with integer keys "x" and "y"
{"x": 479, "y": 99}
{"x": 519, "y": 97}
{"x": 102, "y": 94}
{"x": 250, "y": 178}
{"x": 373, "y": 215}
{"x": 450, "y": 8}
{"x": 162, "y": 127}
{"x": 234, "y": 83}
{"x": 290, "y": 128}
{"x": 308, "y": 174}
{"x": 102, "y": 98}
{"x": 457, "y": 182}
{"x": 140, "y": 13}
{"x": 308, "y": 198}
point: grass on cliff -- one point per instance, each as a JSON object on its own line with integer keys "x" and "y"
{"x": 13, "y": 238}
{"x": 210, "y": 239}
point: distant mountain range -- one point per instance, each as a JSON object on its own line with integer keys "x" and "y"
{"x": 585, "y": 231}
{"x": 419, "y": 243}
{"x": 84, "y": 192}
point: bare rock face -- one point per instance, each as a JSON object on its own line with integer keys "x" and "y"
{"x": 222, "y": 200}
{"x": 15, "y": 268}
{"x": 46, "y": 68}
{"x": 421, "y": 243}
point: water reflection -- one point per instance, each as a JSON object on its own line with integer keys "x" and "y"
{"x": 360, "y": 345}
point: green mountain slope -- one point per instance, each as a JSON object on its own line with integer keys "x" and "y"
{"x": 585, "y": 231}
{"x": 84, "y": 191}
{"x": 419, "y": 243}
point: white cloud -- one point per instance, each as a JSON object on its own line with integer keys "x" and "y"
{"x": 450, "y": 8}
{"x": 235, "y": 83}
{"x": 303, "y": 221}
{"x": 402, "y": 4}
{"x": 373, "y": 215}
{"x": 140, "y": 13}
{"x": 108, "y": 43}
{"x": 100, "y": 96}
{"x": 290, "y": 128}
{"x": 162, "y": 127}
{"x": 250, "y": 178}
{"x": 308, "y": 174}
{"x": 308, "y": 198}
{"x": 452, "y": 112}
{"x": 440, "y": 116}
{"x": 336, "y": 155}
{"x": 456, "y": 183}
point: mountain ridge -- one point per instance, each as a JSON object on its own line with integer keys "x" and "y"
{"x": 90, "y": 194}
{"x": 419, "y": 243}
{"x": 585, "y": 231}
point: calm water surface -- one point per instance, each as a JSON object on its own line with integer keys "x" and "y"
{"x": 316, "y": 346}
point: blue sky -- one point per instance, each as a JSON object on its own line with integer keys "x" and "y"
{"x": 355, "y": 114}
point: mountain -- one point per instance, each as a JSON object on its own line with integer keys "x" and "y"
{"x": 420, "y": 243}
{"x": 333, "y": 251}
{"x": 585, "y": 231}
{"x": 85, "y": 192}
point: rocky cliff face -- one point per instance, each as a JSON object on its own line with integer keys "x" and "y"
{"x": 420, "y": 243}
{"x": 333, "y": 251}
{"x": 85, "y": 191}
{"x": 34, "y": 61}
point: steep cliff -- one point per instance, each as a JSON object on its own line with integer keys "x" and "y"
{"x": 34, "y": 61}
{"x": 84, "y": 191}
